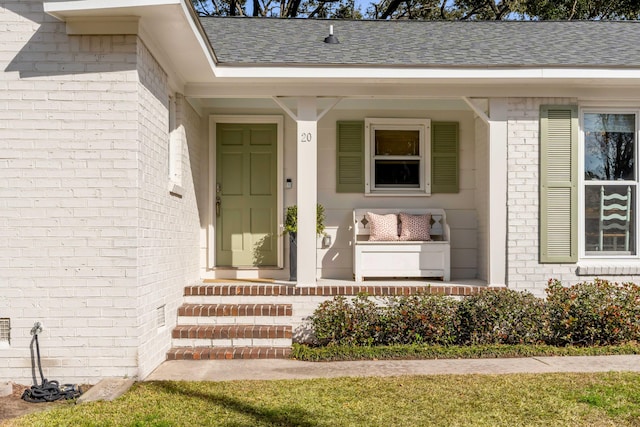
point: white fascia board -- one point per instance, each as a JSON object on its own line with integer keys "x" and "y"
{"x": 423, "y": 73}
{"x": 64, "y": 9}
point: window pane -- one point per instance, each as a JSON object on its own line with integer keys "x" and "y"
{"x": 609, "y": 146}
{"x": 397, "y": 173}
{"x": 610, "y": 219}
{"x": 397, "y": 142}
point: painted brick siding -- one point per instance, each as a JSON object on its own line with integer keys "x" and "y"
{"x": 169, "y": 225}
{"x": 523, "y": 268}
{"x": 91, "y": 241}
{"x": 68, "y": 182}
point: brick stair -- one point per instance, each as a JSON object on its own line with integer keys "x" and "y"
{"x": 231, "y": 331}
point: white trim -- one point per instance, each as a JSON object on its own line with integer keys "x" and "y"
{"x": 421, "y": 125}
{"x": 65, "y": 8}
{"x": 286, "y": 109}
{"x": 269, "y": 119}
{"x": 324, "y": 72}
{"x": 498, "y": 140}
{"x": 329, "y": 108}
{"x": 481, "y": 114}
{"x": 590, "y": 260}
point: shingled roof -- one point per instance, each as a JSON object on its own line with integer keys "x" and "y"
{"x": 245, "y": 41}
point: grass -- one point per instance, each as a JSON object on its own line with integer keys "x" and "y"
{"x": 416, "y": 351}
{"x": 605, "y": 399}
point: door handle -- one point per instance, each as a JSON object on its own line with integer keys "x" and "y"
{"x": 218, "y": 203}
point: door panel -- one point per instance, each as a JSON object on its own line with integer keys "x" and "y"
{"x": 261, "y": 174}
{"x": 246, "y": 227}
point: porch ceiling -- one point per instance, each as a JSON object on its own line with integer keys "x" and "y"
{"x": 357, "y": 104}
{"x": 427, "y": 88}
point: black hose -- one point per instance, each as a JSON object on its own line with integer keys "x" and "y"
{"x": 48, "y": 391}
{"x": 51, "y": 391}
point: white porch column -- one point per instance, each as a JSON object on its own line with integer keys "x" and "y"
{"x": 307, "y": 184}
{"x": 498, "y": 134}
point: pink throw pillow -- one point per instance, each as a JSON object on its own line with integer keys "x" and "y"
{"x": 415, "y": 227}
{"x": 382, "y": 227}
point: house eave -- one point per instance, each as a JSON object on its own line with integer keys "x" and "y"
{"x": 423, "y": 84}
{"x": 168, "y": 28}
{"x": 427, "y": 73}
{"x": 173, "y": 33}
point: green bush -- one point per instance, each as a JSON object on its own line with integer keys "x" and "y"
{"x": 343, "y": 322}
{"x": 502, "y": 316}
{"x": 593, "y": 313}
{"x": 419, "y": 319}
{"x": 590, "y": 313}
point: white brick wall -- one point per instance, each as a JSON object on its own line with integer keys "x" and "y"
{"x": 90, "y": 240}
{"x": 169, "y": 225}
{"x": 67, "y": 181}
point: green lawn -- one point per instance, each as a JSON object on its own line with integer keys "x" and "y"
{"x": 447, "y": 400}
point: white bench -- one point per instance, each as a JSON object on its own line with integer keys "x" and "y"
{"x": 430, "y": 258}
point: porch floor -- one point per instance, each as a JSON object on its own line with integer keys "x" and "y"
{"x": 332, "y": 287}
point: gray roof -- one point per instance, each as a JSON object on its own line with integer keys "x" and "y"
{"x": 268, "y": 42}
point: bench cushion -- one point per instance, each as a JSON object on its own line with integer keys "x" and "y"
{"x": 382, "y": 227}
{"x": 415, "y": 227}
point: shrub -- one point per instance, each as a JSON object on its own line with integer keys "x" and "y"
{"x": 343, "y": 322}
{"x": 593, "y": 313}
{"x": 502, "y": 316}
{"x": 419, "y": 319}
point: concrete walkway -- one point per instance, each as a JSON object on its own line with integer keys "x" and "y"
{"x": 227, "y": 370}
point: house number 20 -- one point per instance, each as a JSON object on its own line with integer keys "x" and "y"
{"x": 305, "y": 137}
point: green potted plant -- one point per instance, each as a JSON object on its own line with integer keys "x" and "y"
{"x": 291, "y": 227}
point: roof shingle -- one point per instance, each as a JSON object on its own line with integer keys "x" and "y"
{"x": 268, "y": 42}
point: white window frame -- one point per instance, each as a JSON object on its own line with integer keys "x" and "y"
{"x": 582, "y": 254}
{"x": 424, "y": 128}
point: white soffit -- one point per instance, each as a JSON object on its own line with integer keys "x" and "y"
{"x": 165, "y": 26}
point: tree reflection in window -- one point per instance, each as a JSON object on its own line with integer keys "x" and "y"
{"x": 609, "y": 147}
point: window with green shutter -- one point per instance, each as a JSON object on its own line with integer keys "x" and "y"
{"x": 558, "y": 184}
{"x": 397, "y": 156}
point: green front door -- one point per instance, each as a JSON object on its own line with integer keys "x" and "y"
{"x": 246, "y": 195}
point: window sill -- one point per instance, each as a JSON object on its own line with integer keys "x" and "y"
{"x": 175, "y": 189}
{"x": 396, "y": 194}
{"x": 608, "y": 268}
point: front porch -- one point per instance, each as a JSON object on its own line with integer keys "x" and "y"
{"x": 308, "y": 172}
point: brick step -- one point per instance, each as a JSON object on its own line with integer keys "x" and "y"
{"x": 213, "y": 332}
{"x": 234, "y": 310}
{"x": 226, "y": 353}
{"x": 332, "y": 290}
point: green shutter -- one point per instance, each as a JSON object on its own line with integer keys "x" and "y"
{"x": 558, "y": 183}
{"x": 350, "y": 157}
{"x": 444, "y": 157}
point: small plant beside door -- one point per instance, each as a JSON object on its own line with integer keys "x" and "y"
{"x": 291, "y": 227}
